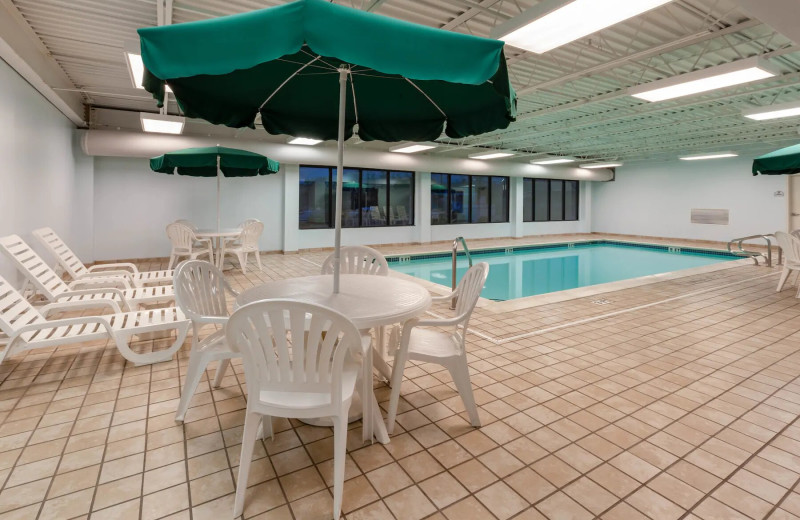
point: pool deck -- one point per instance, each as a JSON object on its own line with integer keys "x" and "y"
{"x": 676, "y": 399}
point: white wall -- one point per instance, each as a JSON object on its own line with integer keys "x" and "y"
{"x": 133, "y": 206}
{"x": 45, "y": 179}
{"x": 656, "y": 199}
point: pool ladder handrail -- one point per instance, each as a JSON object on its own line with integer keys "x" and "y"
{"x": 741, "y": 251}
{"x": 454, "y": 256}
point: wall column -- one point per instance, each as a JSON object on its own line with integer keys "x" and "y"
{"x": 516, "y": 206}
{"x": 291, "y": 207}
{"x": 422, "y": 208}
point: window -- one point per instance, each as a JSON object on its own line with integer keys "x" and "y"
{"x": 370, "y": 198}
{"x": 549, "y": 200}
{"x": 462, "y": 199}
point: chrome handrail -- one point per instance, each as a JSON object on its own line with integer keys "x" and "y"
{"x": 755, "y": 254}
{"x": 454, "y": 255}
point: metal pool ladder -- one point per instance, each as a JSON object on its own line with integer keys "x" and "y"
{"x": 741, "y": 251}
{"x": 454, "y": 255}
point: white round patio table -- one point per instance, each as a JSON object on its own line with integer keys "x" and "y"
{"x": 217, "y": 237}
{"x": 369, "y": 301}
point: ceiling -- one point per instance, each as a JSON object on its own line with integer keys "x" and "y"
{"x": 572, "y": 100}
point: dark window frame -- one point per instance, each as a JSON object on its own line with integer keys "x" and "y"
{"x": 468, "y": 203}
{"x": 331, "y": 196}
{"x": 532, "y": 200}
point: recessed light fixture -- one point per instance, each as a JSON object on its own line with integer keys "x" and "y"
{"x": 557, "y": 160}
{"x": 712, "y": 78}
{"x": 773, "y": 111}
{"x": 592, "y": 166}
{"x": 411, "y": 148}
{"x": 305, "y": 141}
{"x": 162, "y": 123}
{"x": 133, "y": 59}
{"x": 483, "y": 156}
{"x": 703, "y": 156}
{"x": 553, "y": 23}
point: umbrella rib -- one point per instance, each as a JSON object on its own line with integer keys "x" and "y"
{"x": 353, "y": 88}
{"x": 287, "y": 80}
{"x": 432, "y": 102}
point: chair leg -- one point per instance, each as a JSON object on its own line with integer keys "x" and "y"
{"x": 784, "y": 275}
{"x": 258, "y": 260}
{"x": 460, "y": 372}
{"x": 194, "y": 373}
{"x": 266, "y": 427}
{"x": 339, "y": 455}
{"x": 251, "y": 424}
{"x": 400, "y": 359}
{"x": 242, "y": 262}
{"x": 220, "y": 373}
{"x": 172, "y": 258}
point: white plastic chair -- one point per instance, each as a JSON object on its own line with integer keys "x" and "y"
{"x": 790, "y": 245}
{"x": 27, "y": 329}
{"x": 243, "y": 245}
{"x": 300, "y": 361}
{"x": 200, "y": 289}
{"x": 444, "y": 345}
{"x": 357, "y": 260}
{"x": 184, "y": 242}
{"x": 99, "y": 292}
{"x": 73, "y": 266}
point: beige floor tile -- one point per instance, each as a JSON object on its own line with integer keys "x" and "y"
{"x": 501, "y": 500}
{"x": 468, "y": 508}
{"x": 165, "y": 502}
{"x": 67, "y": 506}
{"x": 443, "y": 490}
{"x": 410, "y": 503}
{"x": 560, "y": 506}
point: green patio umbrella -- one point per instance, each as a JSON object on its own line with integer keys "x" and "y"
{"x": 214, "y": 161}
{"x": 315, "y": 69}
{"x": 785, "y": 161}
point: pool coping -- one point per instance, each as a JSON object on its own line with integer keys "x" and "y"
{"x": 538, "y": 300}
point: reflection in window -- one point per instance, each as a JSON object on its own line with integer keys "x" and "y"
{"x": 556, "y": 200}
{"x": 549, "y": 200}
{"x": 461, "y": 199}
{"x": 370, "y": 198}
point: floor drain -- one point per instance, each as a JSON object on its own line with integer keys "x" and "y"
{"x": 600, "y": 302}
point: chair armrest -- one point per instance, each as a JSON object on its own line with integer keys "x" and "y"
{"x": 440, "y": 323}
{"x": 443, "y": 298}
{"x": 66, "y": 322}
{"x": 100, "y": 281}
{"x": 45, "y": 310}
{"x": 217, "y": 320}
{"x": 113, "y": 273}
{"x": 99, "y": 290}
{"x": 126, "y": 266}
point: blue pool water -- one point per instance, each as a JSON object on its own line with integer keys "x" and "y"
{"x": 538, "y": 270}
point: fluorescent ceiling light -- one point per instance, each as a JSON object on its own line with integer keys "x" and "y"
{"x": 133, "y": 59}
{"x": 489, "y": 155}
{"x": 773, "y": 111}
{"x": 601, "y": 165}
{"x": 561, "y": 160}
{"x": 712, "y": 78}
{"x": 162, "y": 124}
{"x": 703, "y": 156}
{"x": 411, "y": 148}
{"x": 553, "y": 23}
{"x": 305, "y": 141}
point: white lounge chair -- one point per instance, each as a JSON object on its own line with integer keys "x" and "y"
{"x": 444, "y": 345}
{"x": 357, "y": 260}
{"x": 300, "y": 361}
{"x": 55, "y": 290}
{"x": 185, "y": 243}
{"x": 27, "y": 329}
{"x": 243, "y": 245}
{"x": 200, "y": 289}
{"x": 78, "y": 271}
{"x": 790, "y": 245}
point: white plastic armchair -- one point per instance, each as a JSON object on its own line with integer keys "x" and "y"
{"x": 185, "y": 243}
{"x": 300, "y": 361}
{"x": 62, "y": 295}
{"x": 77, "y": 270}
{"x": 200, "y": 290}
{"x": 244, "y": 244}
{"x": 444, "y": 345}
{"x": 357, "y": 260}
{"x": 27, "y": 329}
{"x": 790, "y": 245}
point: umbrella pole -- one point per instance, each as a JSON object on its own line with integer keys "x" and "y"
{"x": 218, "y": 182}
{"x": 337, "y": 244}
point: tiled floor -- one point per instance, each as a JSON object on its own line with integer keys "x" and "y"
{"x": 687, "y": 408}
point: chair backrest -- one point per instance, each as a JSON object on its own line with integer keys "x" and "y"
{"x": 187, "y": 223}
{"x": 469, "y": 290}
{"x": 66, "y": 258}
{"x": 250, "y": 235}
{"x": 15, "y": 311}
{"x": 291, "y": 346}
{"x": 357, "y": 260}
{"x": 790, "y": 246}
{"x": 248, "y": 221}
{"x": 33, "y": 267}
{"x": 200, "y": 290}
{"x": 181, "y": 236}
